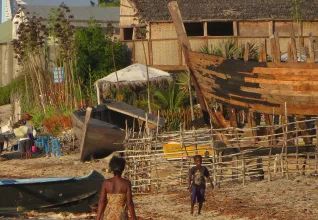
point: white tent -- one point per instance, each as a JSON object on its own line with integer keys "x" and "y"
{"x": 134, "y": 76}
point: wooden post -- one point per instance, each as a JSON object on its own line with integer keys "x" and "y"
{"x": 84, "y": 129}
{"x": 234, "y": 169}
{"x": 214, "y": 156}
{"x": 243, "y": 170}
{"x": 297, "y": 147}
{"x": 262, "y": 54}
{"x": 285, "y": 141}
{"x": 289, "y": 54}
{"x": 271, "y": 28}
{"x": 273, "y": 44}
{"x": 311, "y": 48}
{"x": 235, "y": 28}
{"x": 147, "y": 126}
{"x": 224, "y": 51}
{"x": 246, "y": 51}
{"x": 277, "y": 48}
{"x": 316, "y": 151}
{"x": 293, "y": 46}
{"x": 205, "y": 28}
{"x": 271, "y": 147}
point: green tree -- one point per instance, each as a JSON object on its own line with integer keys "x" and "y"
{"x": 171, "y": 98}
{"x": 94, "y": 53}
{"x": 109, "y": 3}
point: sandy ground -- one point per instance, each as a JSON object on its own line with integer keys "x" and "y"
{"x": 280, "y": 199}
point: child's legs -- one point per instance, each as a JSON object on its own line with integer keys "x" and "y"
{"x": 201, "y": 198}
{"x": 194, "y": 195}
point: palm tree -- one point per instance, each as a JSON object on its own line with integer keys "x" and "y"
{"x": 171, "y": 98}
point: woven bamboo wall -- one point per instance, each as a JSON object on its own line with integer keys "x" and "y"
{"x": 196, "y": 44}
{"x": 139, "y": 55}
{"x": 165, "y": 52}
{"x": 127, "y": 14}
{"x": 163, "y": 31}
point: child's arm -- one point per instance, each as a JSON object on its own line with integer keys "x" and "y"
{"x": 207, "y": 175}
{"x": 210, "y": 180}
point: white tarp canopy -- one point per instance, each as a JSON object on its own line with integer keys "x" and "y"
{"x": 133, "y": 76}
{"x": 135, "y": 73}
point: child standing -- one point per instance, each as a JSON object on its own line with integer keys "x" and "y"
{"x": 196, "y": 182}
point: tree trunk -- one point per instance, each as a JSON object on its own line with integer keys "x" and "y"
{"x": 148, "y": 81}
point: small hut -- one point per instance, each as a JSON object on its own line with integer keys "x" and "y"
{"x": 207, "y": 22}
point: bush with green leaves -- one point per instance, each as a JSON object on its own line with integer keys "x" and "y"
{"x": 232, "y": 49}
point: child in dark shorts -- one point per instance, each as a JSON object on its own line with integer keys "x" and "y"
{"x": 196, "y": 181}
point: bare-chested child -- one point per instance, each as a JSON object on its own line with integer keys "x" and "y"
{"x": 196, "y": 183}
{"x": 116, "y": 195}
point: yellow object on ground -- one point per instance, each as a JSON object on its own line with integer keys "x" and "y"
{"x": 173, "y": 150}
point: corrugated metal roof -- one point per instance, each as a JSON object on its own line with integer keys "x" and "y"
{"x": 6, "y": 32}
{"x": 110, "y": 14}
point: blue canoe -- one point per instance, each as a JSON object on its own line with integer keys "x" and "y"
{"x": 50, "y": 194}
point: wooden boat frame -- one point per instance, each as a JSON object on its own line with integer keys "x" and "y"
{"x": 257, "y": 87}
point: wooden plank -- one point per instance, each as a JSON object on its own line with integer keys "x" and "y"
{"x": 235, "y": 28}
{"x": 84, "y": 129}
{"x": 273, "y": 49}
{"x": 271, "y": 28}
{"x": 293, "y": 46}
{"x": 277, "y": 48}
{"x": 262, "y": 54}
{"x": 224, "y": 52}
{"x": 290, "y": 58}
{"x": 170, "y": 67}
{"x": 311, "y": 49}
{"x": 186, "y": 47}
{"x": 246, "y": 51}
{"x": 205, "y": 28}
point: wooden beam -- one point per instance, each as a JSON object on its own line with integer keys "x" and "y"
{"x": 277, "y": 48}
{"x": 273, "y": 44}
{"x": 271, "y": 28}
{"x": 186, "y": 47}
{"x": 235, "y": 28}
{"x": 84, "y": 129}
{"x": 205, "y": 28}
{"x": 224, "y": 51}
{"x": 311, "y": 49}
{"x": 246, "y": 51}
{"x": 293, "y": 46}
{"x": 290, "y": 58}
{"x": 170, "y": 67}
{"x": 263, "y": 54}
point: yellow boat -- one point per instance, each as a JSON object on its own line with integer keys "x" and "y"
{"x": 174, "y": 150}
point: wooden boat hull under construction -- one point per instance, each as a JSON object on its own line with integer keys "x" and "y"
{"x": 261, "y": 87}
{"x": 102, "y": 138}
{"x": 50, "y": 194}
{"x": 258, "y": 87}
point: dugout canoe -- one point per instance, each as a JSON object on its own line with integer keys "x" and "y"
{"x": 106, "y": 127}
{"x": 50, "y": 194}
{"x": 254, "y": 86}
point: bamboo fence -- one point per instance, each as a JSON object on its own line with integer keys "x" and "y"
{"x": 287, "y": 150}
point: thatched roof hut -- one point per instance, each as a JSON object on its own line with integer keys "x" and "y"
{"x": 207, "y": 22}
{"x": 156, "y": 10}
